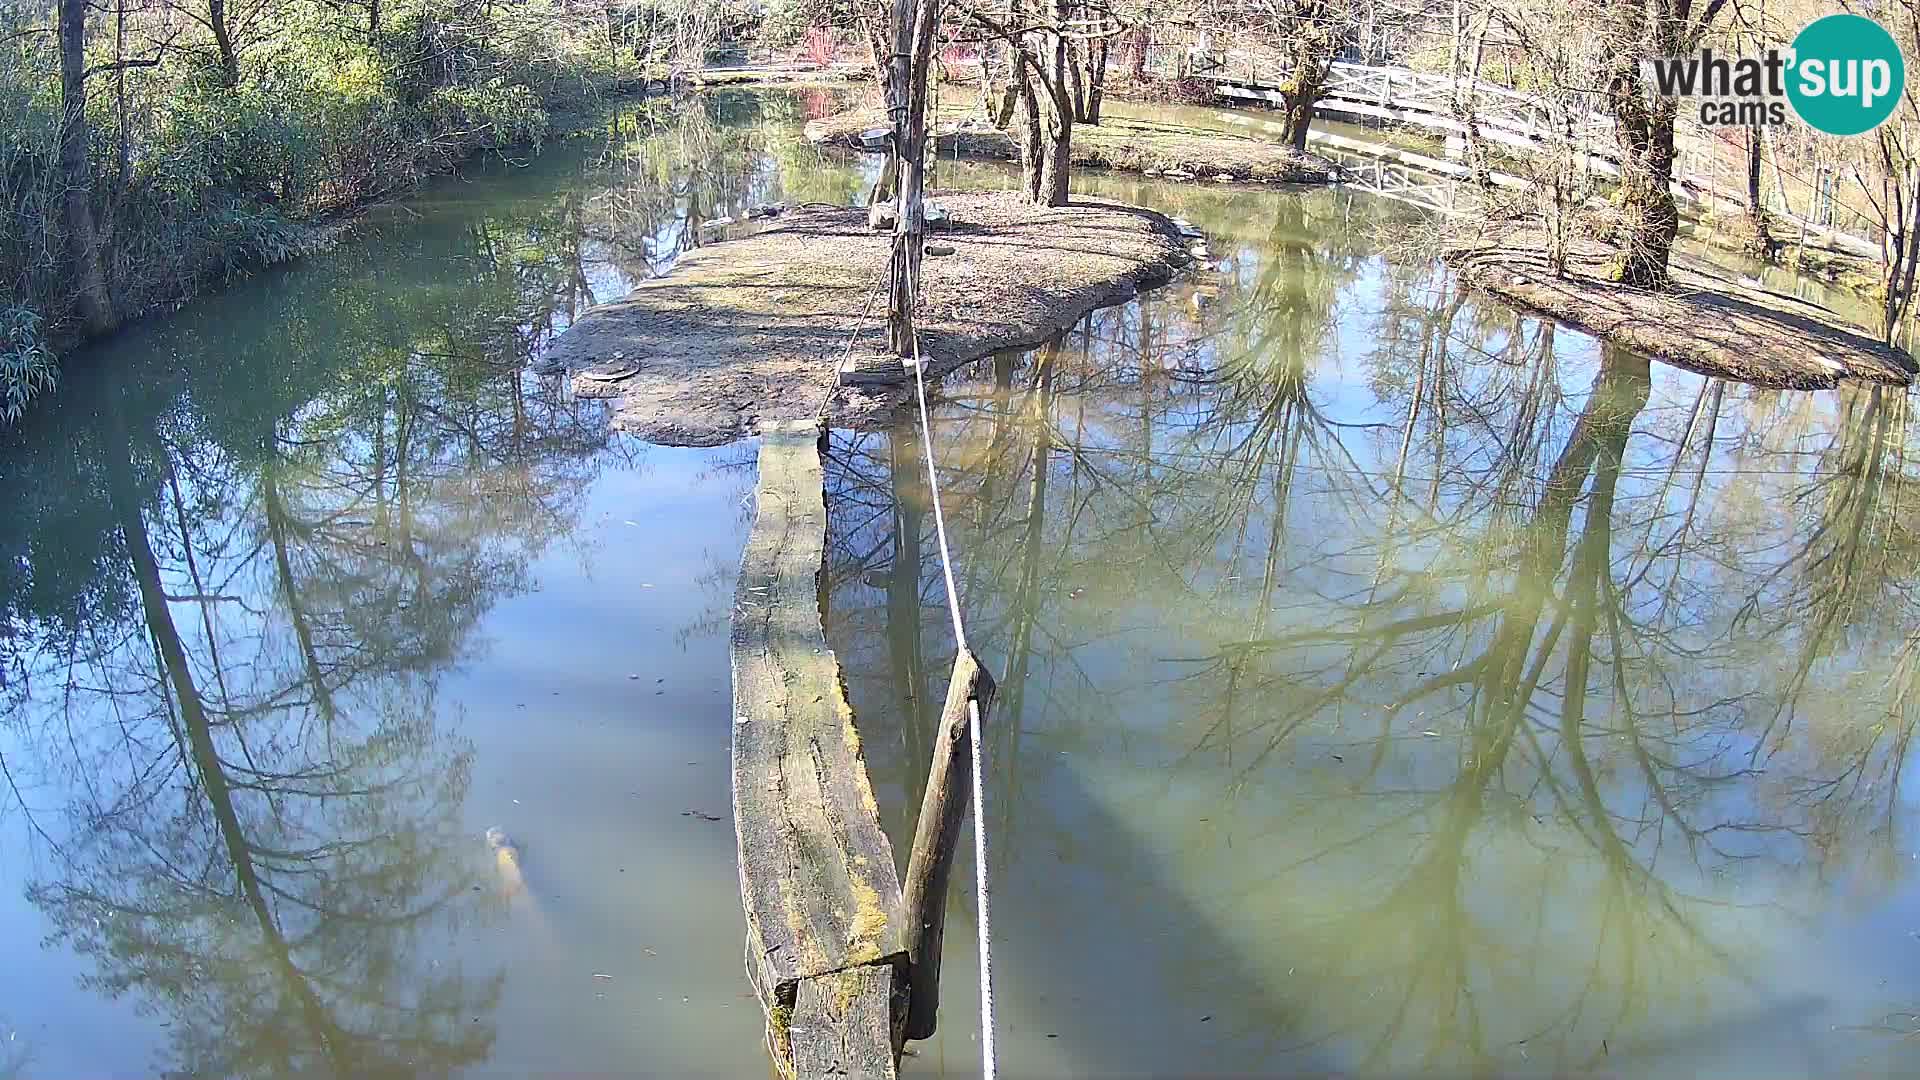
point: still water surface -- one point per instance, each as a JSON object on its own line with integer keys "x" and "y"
{"x": 1392, "y": 684}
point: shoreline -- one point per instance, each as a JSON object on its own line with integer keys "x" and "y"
{"x": 1706, "y": 321}
{"x": 325, "y": 230}
{"x": 756, "y": 330}
{"x": 1829, "y": 352}
{"x": 1117, "y": 142}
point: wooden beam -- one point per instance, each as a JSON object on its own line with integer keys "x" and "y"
{"x": 816, "y": 871}
{"x": 840, "y": 1025}
{"x": 924, "y": 895}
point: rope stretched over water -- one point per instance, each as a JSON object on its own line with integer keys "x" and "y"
{"x": 989, "y": 1066}
{"x": 980, "y": 890}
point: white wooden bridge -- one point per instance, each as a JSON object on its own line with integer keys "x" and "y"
{"x": 1404, "y": 96}
{"x": 1519, "y": 123}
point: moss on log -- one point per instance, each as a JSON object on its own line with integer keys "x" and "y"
{"x": 816, "y": 871}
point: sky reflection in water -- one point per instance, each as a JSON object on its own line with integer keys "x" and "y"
{"x": 1391, "y": 684}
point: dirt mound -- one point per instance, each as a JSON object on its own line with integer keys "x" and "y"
{"x": 757, "y": 329}
{"x": 1708, "y": 321}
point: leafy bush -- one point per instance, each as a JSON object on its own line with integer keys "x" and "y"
{"x": 486, "y": 118}
{"x": 194, "y": 179}
{"x": 26, "y": 367}
{"x": 29, "y": 189}
{"x": 252, "y": 141}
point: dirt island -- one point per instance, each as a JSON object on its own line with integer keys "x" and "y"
{"x": 754, "y": 330}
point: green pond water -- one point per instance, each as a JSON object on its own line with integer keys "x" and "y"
{"x": 1391, "y": 684}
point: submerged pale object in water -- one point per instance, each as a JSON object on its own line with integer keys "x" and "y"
{"x": 506, "y": 859}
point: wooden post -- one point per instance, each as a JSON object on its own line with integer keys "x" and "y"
{"x": 923, "y": 899}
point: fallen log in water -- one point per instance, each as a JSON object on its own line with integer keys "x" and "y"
{"x": 936, "y": 837}
{"x": 816, "y": 871}
{"x": 846, "y": 963}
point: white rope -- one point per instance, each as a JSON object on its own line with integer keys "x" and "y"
{"x": 988, "y": 1066}
{"x": 933, "y": 485}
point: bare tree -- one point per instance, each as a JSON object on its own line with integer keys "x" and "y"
{"x": 1648, "y": 219}
{"x": 1888, "y": 176}
{"x": 95, "y": 305}
{"x": 902, "y": 51}
{"x": 1041, "y": 36}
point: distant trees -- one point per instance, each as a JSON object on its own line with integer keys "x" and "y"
{"x": 1057, "y": 51}
{"x": 1889, "y": 179}
{"x": 146, "y": 147}
{"x": 1317, "y": 29}
{"x": 1049, "y": 44}
{"x": 1303, "y": 37}
{"x": 905, "y": 38}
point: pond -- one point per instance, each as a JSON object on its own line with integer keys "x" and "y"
{"x": 1391, "y": 683}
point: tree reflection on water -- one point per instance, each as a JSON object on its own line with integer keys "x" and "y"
{"x": 1480, "y": 698}
{"x": 245, "y": 550}
{"x": 1389, "y": 682}
{"x": 233, "y": 605}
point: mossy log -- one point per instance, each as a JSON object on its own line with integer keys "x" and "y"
{"x": 936, "y": 838}
{"x": 816, "y": 872}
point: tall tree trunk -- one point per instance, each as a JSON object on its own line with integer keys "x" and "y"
{"x": 123, "y": 157}
{"x": 1296, "y": 111}
{"x": 1466, "y": 96}
{"x": 914, "y": 27}
{"x": 1903, "y": 251}
{"x": 91, "y": 299}
{"x": 1649, "y": 218}
{"x": 1760, "y": 241}
{"x": 1057, "y": 142}
{"x": 1643, "y": 128}
{"x": 1076, "y": 82}
{"x": 1312, "y": 55}
{"x": 1096, "y": 79}
{"x": 1056, "y": 149}
{"x": 1032, "y": 134}
{"x": 123, "y": 153}
{"x": 223, "y": 41}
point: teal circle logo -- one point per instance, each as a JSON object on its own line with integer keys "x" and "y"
{"x": 1847, "y": 75}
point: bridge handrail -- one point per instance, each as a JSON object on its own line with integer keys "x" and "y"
{"x": 1515, "y": 112}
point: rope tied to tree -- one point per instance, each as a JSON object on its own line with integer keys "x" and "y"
{"x": 982, "y": 898}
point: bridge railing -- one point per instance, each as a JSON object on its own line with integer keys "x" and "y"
{"x": 1495, "y": 106}
{"x": 1510, "y": 117}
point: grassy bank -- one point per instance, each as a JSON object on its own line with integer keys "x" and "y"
{"x": 208, "y": 154}
{"x": 1117, "y": 142}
